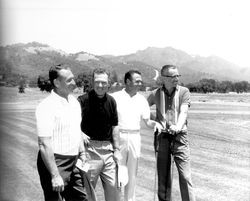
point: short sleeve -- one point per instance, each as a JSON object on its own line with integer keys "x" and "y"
{"x": 151, "y": 98}
{"x": 44, "y": 120}
{"x": 186, "y": 97}
{"x": 114, "y": 121}
{"x": 145, "y": 109}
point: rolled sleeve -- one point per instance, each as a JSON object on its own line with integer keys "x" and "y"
{"x": 151, "y": 98}
{"x": 186, "y": 100}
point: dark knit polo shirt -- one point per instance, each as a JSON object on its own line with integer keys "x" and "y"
{"x": 98, "y": 116}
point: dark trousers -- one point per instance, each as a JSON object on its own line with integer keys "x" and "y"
{"x": 174, "y": 149}
{"x": 73, "y": 182}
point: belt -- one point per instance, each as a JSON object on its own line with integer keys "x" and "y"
{"x": 99, "y": 141}
{"x": 130, "y": 131}
{"x": 97, "y": 144}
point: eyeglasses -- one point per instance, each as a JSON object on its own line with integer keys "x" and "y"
{"x": 171, "y": 76}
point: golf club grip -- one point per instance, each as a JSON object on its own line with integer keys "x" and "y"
{"x": 156, "y": 144}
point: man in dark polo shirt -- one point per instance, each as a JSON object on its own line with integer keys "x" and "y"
{"x": 100, "y": 124}
{"x": 172, "y": 102}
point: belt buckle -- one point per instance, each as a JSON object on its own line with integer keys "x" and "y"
{"x": 164, "y": 131}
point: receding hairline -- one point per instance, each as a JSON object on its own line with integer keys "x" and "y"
{"x": 54, "y": 71}
{"x": 99, "y": 71}
{"x": 167, "y": 68}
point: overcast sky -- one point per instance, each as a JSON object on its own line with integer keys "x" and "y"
{"x": 118, "y": 27}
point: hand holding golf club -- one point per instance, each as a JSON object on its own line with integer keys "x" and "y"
{"x": 174, "y": 129}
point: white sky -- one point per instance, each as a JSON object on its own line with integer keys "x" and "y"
{"x": 203, "y": 27}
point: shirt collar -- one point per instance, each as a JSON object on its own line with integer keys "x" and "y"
{"x": 93, "y": 94}
{"x": 166, "y": 91}
{"x": 124, "y": 91}
{"x": 59, "y": 98}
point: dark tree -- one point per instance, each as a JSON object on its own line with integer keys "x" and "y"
{"x": 193, "y": 87}
{"x": 225, "y": 86}
{"x": 114, "y": 77}
{"x": 207, "y": 85}
{"x": 43, "y": 83}
{"x": 21, "y": 85}
{"x": 241, "y": 87}
{"x": 84, "y": 80}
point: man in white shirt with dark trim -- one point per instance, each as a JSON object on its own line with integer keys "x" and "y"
{"x": 131, "y": 108}
{"x": 60, "y": 141}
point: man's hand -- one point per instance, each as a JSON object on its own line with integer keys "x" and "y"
{"x": 82, "y": 165}
{"x": 85, "y": 139}
{"x": 57, "y": 183}
{"x": 153, "y": 124}
{"x": 173, "y": 129}
{"x": 117, "y": 155}
{"x": 48, "y": 158}
{"x": 158, "y": 127}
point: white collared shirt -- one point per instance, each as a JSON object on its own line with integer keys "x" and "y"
{"x": 131, "y": 109}
{"x": 60, "y": 119}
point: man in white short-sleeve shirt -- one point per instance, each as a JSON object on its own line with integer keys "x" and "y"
{"x": 131, "y": 108}
{"x": 60, "y": 141}
{"x": 60, "y": 119}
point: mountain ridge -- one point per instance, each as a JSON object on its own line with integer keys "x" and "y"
{"x": 32, "y": 59}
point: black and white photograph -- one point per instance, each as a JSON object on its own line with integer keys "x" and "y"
{"x": 124, "y": 100}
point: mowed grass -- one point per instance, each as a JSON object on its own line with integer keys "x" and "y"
{"x": 219, "y": 136}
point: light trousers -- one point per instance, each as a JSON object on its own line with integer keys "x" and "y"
{"x": 130, "y": 147}
{"x": 102, "y": 164}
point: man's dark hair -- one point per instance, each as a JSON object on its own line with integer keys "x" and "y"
{"x": 129, "y": 74}
{"x": 100, "y": 71}
{"x": 54, "y": 72}
{"x": 167, "y": 67}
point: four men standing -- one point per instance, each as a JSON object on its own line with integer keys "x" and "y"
{"x": 111, "y": 130}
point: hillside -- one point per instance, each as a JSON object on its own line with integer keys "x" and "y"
{"x": 191, "y": 67}
{"x": 33, "y": 59}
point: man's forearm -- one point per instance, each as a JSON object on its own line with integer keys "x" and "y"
{"x": 181, "y": 120}
{"x": 82, "y": 151}
{"x": 182, "y": 117}
{"x": 116, "y": 143}
{"x": 49, "y": 161}
{"x": 116, "y": 137}
{"x": 48, "y": 158}
{"x": 149, "y": 123}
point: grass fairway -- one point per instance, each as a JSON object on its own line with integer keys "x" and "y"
{"x": 219, "y": 135}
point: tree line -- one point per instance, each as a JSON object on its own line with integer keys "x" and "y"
{"x": 211, "y": 85}
{"x": 84, "y": 80}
